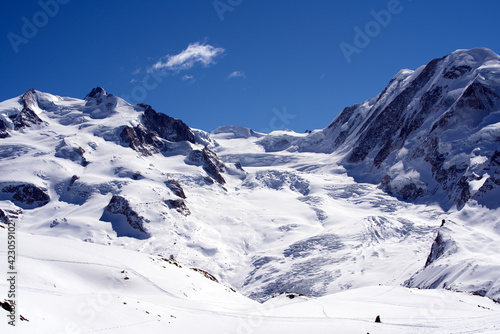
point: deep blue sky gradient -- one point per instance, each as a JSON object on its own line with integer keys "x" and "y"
{"x": 288, "y": 50}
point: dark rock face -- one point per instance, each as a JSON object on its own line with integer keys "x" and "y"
{"x": 411, "y": 191}
{"x": 156, "y": 128}
{"x": 96, "y": 93}
{"x": 439, "y": 247}
{"x": 384, "y": 125}
{"x": 4, "y": 219}
{"x": 455, "y": 72}
{"x": 495, "y": 159}
{"x": 140, "y": 140}
{"x": 166, "y": 127}
{"x": 344, "y": 117}
{"x": 477, "y": 96}
{"x": 474, "y": 105}
{"x": 206, "y": 274}
{"x": 179, "y": 205}
{"x": 210, "y": 162}
{"x": 129, "y": 223}
{"x": 176, "y": 188}
{"x": 27, "y": 194}
{"x": 452, "y": 179}
{"x": 3, "y": 130}
{"x": 26, "y": 117}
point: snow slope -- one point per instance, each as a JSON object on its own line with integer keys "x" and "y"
{"x": 69, "y": 286}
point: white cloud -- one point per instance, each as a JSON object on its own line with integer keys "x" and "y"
{"x": 195, "y": 53}
{"x": 236, "y": 74}
{"x": 187, "y": 77}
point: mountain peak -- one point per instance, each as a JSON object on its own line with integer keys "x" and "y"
{"x": 30, "y": 91}
{"x": 96, "y": 93}
{"x": 477, "y": 54}
{"x": 29, "y": 97}
{"x": 470, "y": 59}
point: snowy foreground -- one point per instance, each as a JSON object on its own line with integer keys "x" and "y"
{"x": 69, "y": 286}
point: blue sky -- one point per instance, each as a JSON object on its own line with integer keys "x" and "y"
{"x": 258, "y": 63}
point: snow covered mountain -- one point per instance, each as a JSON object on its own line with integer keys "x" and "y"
{"x": 353, "y": 206}
{"x": 432, "y": 133}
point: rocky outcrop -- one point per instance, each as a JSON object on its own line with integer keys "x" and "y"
{"x": 176, "y": 188}
{"x": 140, "y": 140}
{"x": 26, "y": 195}
{"x": 211, "y": 163}
{"x": 154, "y": 132}
{"x": 166, "y": 127}
{"x": 206, "y": 274}
{"x": 440, "y": 246}
{"x": 27, "y": 116}
{"x": 97, "y": 94}
{"x": 3, "y": 130}
{"x": 179, "y": 205}
{"x": 4, "y": 218}
{"x": 73, "y": 153}
{"x": 408, "y": 191}
{"x": 455, "y": 72}
{"x": 460, "y": 259}
{"x": 124, "y": 220}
